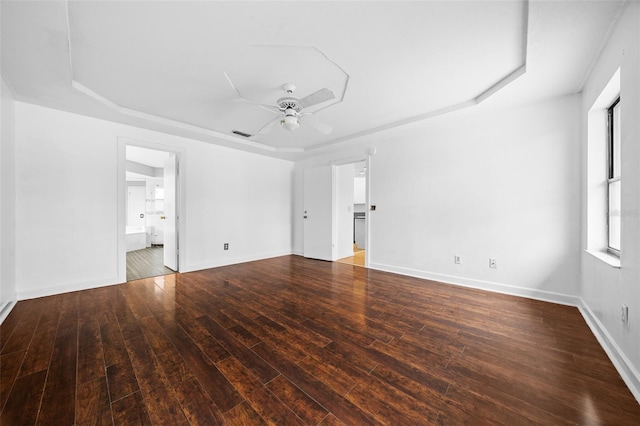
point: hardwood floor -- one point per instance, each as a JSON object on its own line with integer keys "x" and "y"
{"x": 296, "y": 341}
{"x": 357, "y": 259}
{"x": 146, "y": 263}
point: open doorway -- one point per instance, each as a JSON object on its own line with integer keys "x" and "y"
{"x": 151, "y": 216}
{"x": 331, "y": 210}
{"x": 357, "y": 208}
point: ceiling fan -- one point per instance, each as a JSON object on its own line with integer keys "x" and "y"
{"x": 290, "y": 109}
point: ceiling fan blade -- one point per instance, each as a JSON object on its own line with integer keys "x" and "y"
{"x": 267, "y": 127}
{"x": 323, "y": 128}
{"x": 271, "y": 108}
{"x": 320, "y": 96}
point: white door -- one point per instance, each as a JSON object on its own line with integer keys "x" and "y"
{"x": 136, "y": 206}
{"x": 319, "y": 215}
{"x": 170, "y": 213}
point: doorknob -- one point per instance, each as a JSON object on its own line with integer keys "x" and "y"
{"x": 305, "y": 216}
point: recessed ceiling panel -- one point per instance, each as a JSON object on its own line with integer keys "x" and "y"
{"x": 306, "y": 67}
{"x": 404, "y": 59}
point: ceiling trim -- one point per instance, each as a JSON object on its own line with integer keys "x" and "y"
{"x": 174, "y": 123}
{"x": 496, "y": 87}
{"x": 484, "y": 95}
{"x": 603, "y": 44}
{"x": 441, "y": 111}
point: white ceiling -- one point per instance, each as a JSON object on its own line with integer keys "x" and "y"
{"x": 148, "y": 157}
{"x": 161, "y": 65}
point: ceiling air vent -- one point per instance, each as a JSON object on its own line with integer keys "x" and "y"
{"x": 238, "y": 132}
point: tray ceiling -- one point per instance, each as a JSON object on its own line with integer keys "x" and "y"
{"x": 163, "y": 64}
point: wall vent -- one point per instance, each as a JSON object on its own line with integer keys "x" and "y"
{"x": 238, "y": 132}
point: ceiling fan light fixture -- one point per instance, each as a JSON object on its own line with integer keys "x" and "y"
{"x": 290, "y": 122}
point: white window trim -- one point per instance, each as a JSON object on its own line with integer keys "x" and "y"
{"x": 611, "y": 179}
{"x": 597, "y": 203}
{"x": 606, "y": 257}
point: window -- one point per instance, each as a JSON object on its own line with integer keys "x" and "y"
{"x": 604, "y": 174}
{"x": 613, "y": 178}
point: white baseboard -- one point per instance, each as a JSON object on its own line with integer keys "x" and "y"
{"x": 546, "y": 296}
{"x": 627, "y": 371}
{"x": 6, "y": 309}
{"x": 67, "y": 288}
{"x": 233, "y": 261}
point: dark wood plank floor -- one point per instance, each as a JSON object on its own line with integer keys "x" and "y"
{"x": 296, "y": 341}
{"x": 148, "y": 262}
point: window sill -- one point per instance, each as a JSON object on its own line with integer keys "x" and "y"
{"x": 608, "y": 258}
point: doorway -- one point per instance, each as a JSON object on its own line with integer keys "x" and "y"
{"x": 359, "y": 219}
{"x": 151, "y": 212}
{"x": 335, "y": 213}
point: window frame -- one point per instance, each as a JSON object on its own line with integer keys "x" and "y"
{"x": 611, "y": 177}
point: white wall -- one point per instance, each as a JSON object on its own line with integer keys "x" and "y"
{"x": 67, "y": 224}
{"x": 344, "y": 210}
{"x": 480, "y": 184}
{"x": 7, "y": 199}
{"x": 502, "y": 185}
{"x": 136, "y": 204}
{"x": 605, "y": 288}
{"x": 359, "y": 190}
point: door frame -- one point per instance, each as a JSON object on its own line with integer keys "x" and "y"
{"x": 367, "y": 218}
{"x": 176, "y": 212}
{"x": 122, "y": 194}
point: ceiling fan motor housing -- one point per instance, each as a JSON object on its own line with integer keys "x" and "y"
{"x": 289, "y": 102}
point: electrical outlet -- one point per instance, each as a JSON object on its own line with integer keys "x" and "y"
{"x": 493, "y": 264}
{"x": 226, "y": 246}
{"x": 457, "y": 259}
{"x": 624, "y": 314}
